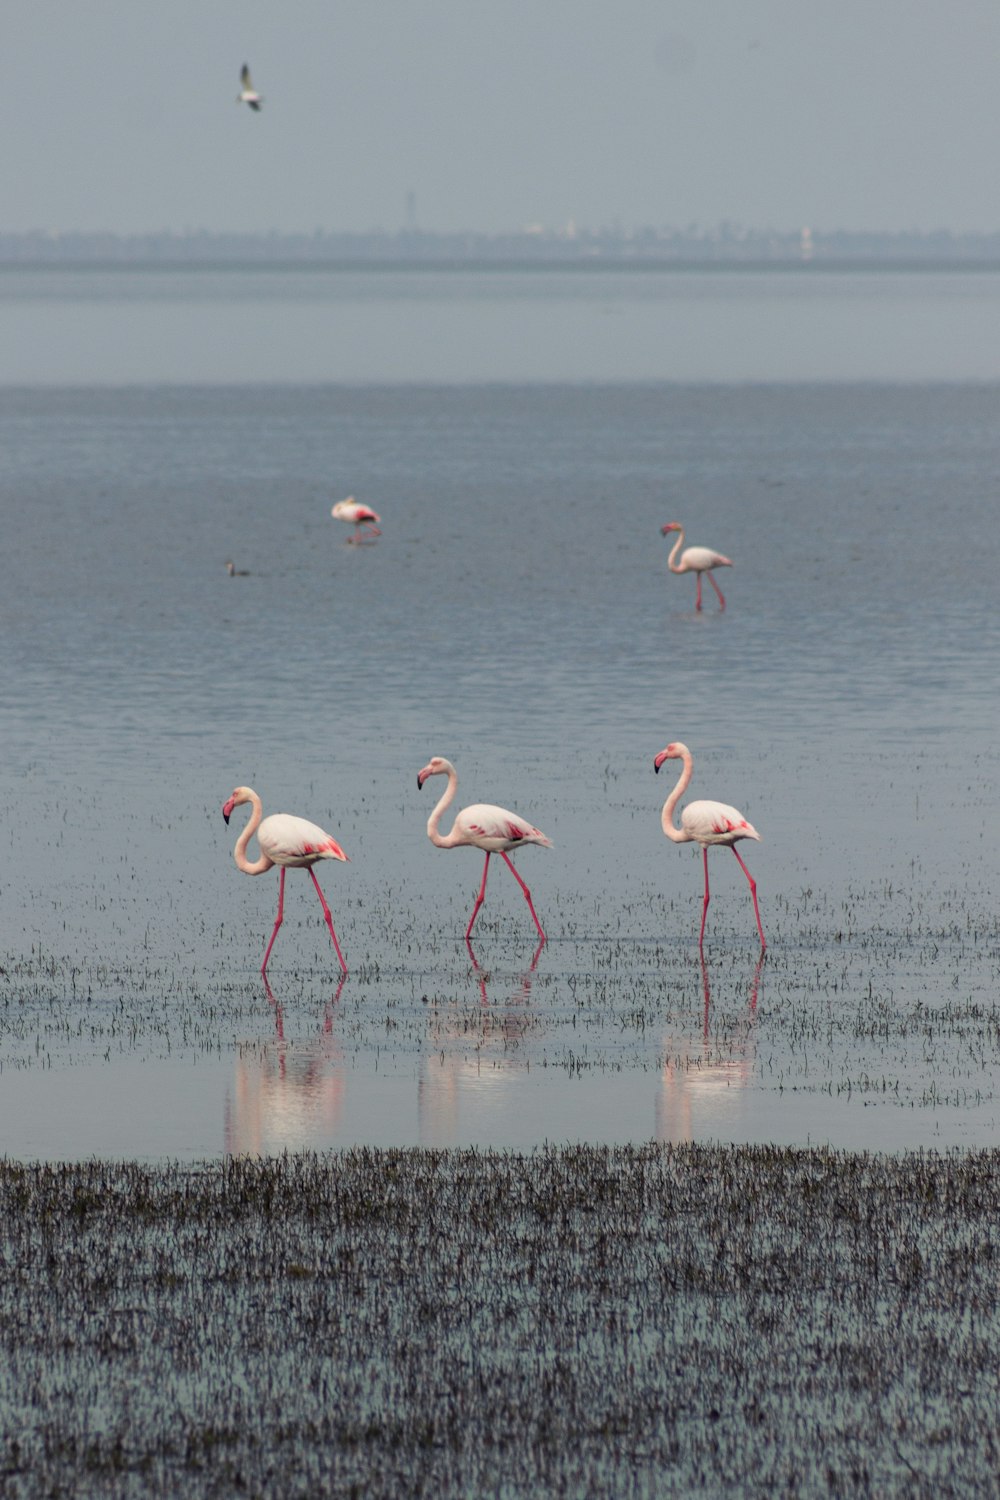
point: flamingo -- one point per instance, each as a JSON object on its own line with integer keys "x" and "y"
{"x": 362, "y": 517}
{"x": 235, "y": 572}
{"x": 292, "y": 843}
{"x": 493, "y": 829}
{"x": 695, "y": 560}
{"x": 248, "y": 94}
{"x": 706, "y": 823}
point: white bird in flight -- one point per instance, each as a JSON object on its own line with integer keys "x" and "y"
{"x": 248, "y": 94}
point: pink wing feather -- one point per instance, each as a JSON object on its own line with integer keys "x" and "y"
{"x": 483, "y": 823}
{"x": 716, "y": 823}
{"x": 295, "y": 841}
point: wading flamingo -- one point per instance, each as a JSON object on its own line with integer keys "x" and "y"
{"x": 706, "y": 823}
{"x": 362, "y": 517}
{"x": 482, "y": 826}
{"x": 248, "y": 94}
{"x": 695, "y": 560}
{"x": 235, "y": 572}
{"x": 292, "y": 843}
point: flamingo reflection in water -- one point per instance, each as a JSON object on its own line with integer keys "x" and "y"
{"x": 526, "y": 977}
{"x": 473, "y": 1056}
{"x": 287, "y": 1094}
{"x": 698, "y": 1074}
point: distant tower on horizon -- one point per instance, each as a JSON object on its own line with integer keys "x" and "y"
{"x": 806, "y": 246}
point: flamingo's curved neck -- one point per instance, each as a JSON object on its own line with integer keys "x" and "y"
{"x": 443, "y": 840}
{"x": 672, "y": 562}
{"x": 258, "y": 866}
{"x": 677, "y": 834}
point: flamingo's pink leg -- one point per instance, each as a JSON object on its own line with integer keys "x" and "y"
{"x": 278, "y": 920}
{"x": 527, "y": 894}
{"x": 704, "y": 910}
{"x": 753, "y": 892}
{"x": 329, "y": 919}
{"x": 697, "y": 597}
{"x": 372, "y": 529}
{"x": 479, "y": 899}
{"x": 722, "y": 602}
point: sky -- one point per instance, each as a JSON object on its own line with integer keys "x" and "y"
{"x": 838, "y": 114}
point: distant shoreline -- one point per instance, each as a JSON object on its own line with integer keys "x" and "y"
{"x": 726, "y": 248}
{"x": 401, "y": 265}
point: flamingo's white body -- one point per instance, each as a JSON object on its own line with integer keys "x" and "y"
{"x": 481, "y": 826}
{"x": 706, "y": 823}
{"x": 248, "y": 94}
{"x": 697, "y": 560}
{"x": 292, "y": 844}
{"x": 361, "y": 517}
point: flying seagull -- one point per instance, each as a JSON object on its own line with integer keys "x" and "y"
{"x": 248, "y": 94}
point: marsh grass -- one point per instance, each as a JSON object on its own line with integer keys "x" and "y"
{"x": 645, "y": 1320}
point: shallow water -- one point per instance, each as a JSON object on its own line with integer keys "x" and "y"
{"x": 518, "y": 617}
{"x": 120, "y": 325}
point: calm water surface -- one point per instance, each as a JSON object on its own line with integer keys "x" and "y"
{"x": 317, "y": 324}
{"x": 518, "y": 617}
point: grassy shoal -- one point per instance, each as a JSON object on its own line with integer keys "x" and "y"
{"x": 646, "y": 1320}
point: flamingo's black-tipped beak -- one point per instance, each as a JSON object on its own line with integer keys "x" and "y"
{"x": 420, "y": 782}
{"x": 227, "y": 808}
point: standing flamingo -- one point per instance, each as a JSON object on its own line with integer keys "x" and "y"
{"x": 706, "y": 823}
{"x": 492, "y": 829}
{"x": 697, "y": 560}
{"x": 362, "y": 517}
{"x": 292, "y": 843}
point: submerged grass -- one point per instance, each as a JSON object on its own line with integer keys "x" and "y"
{"x": 645, "y": 1320}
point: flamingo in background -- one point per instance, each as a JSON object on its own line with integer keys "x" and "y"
{"x": 292, "y": 843}
{"x": 706, "y": 823}
{"x": 362, "y": 517}
{"x": 697, "y": 560}
{"x": 248, "y": 94}
{"x": 483, "y": 826}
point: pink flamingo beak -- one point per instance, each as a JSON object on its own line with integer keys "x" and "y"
{"x": 227, "y": 808}
{"x": 658, "y": 761}
{"x": 670, "y": 526}
{"x": 421, "y": 778}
